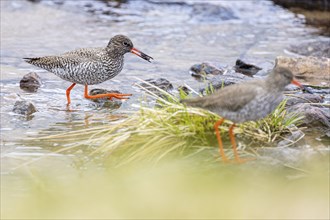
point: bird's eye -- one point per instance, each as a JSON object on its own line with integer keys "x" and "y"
{"x": 126, "y": 44}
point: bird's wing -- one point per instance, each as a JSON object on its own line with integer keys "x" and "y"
{"x": 52, "y": 62}
{"x": 231, "y": 98}
{"x": 85, "y": 54}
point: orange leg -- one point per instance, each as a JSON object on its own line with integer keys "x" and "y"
{"x": 233, "y": 142}
{"x": 68, "y": 93}
{"x": 108, "y": 95}
{"x": 217, "y": 132}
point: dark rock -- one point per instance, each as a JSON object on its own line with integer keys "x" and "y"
{"x": 161, "y": 83}
{"x": 315, "y": 49}
{"x": 169, "y": 2}
{"x": 183, "y": 89}
{"x": 314, "y": 116}
{"x": 30, "y": 82}
{"x": 303, "y": 98}
{"x": 315, "y": 12}
{"x": 105, "y": 102}
{"x": 323, "y": 5}
{"x": 24, "y": 108}
{"x": 322, "y": 90}
{"x": 200, "y": 71}
{"x": 245, "y": 68}
{"x": 210, "y": 12}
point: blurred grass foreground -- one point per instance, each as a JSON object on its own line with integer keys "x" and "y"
{"x": 163, "y": 163}
{"x": 173, "y": 189}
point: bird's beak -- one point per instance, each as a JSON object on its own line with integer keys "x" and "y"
{"x": 295, "y": 82}
{"x": 303, "y": 88}
{"x": 141, "y": 54}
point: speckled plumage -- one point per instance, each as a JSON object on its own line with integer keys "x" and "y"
{"x": 87, "y": 65}
{"x": 247, "y": 101}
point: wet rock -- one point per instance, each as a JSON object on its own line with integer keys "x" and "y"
{"x": 30, "y": 82}
{"x": 291, "y": 139}
{"x": 169, "y": 2}
{"x": 310, "y": 69}
{"x": 318, "y": 89}
{"x": 230, "y": 78}
{"x": 210, "y": 12}
{"x": 323, "y": 5}
{"x": 184, "y": 90}
{"x": 303, "y": 98}
{"x": 105, "y": 102}
{"x": 314, "y": 116}
{"x": 161, "y": 83}
{"x": 245, "y": 68}
{"x": 315, "y": 49}
{"x": 200, "y": 71}
{"x": 24, "y": 108}
{"x": 291, "y": 88}
{"x": 220, "y": 77}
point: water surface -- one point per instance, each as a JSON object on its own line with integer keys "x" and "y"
{"x": 171, "y": 33}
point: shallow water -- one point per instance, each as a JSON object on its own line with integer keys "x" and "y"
{"x": 168, "y": 32}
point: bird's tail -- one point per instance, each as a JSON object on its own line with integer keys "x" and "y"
{"x": 42, "y": 62}
{"x": 34, "y": 60}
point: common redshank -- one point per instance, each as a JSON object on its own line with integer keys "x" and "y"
{"x": 89, "y": 66}
{"x": 249, "y": 101}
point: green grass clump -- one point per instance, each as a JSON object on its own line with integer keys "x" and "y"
{"x": 274, "y": 127}
{"x": 171, "y": 128}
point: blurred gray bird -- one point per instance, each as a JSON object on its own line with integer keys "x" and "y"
{"x": 248, "y": 101}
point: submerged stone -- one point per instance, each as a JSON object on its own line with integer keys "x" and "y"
{"x": 105, "y": 102}
{"x": 211, "y": 12}
{"x": 24, "y": 108}
{"x": 30, "y": 82}
{"x": 206, "y": 68}
{"x": 161, "y": 83}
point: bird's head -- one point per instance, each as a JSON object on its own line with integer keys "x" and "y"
{"x": 282, "y": 77}
{"x": 123, "y": 44}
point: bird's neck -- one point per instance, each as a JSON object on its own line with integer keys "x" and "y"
{"x": 114, "y": 52}
{"x": 273, "y": 84}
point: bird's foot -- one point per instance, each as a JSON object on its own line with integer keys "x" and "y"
{"x": 108, "y": 95}
{"x": 238, "y": 160}
{"x": 118, "y": 96}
